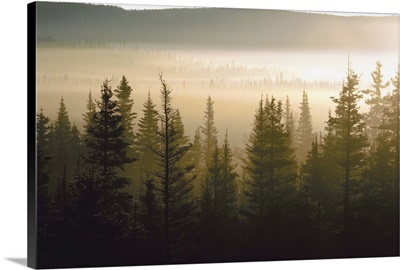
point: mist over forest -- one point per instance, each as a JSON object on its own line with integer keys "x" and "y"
{"x": 214, "y": 135}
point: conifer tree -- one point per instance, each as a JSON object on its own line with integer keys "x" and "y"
{"x": 228, "y": 177}
{"x": 63, "y": 161}
{"x": 88, "y": 117}
{"x": 280, "y": 159}
{"x": 125, "y": 104}
{"x": 256, "y": 202}
{"x": 209, "y": 201}
{"x": 43, "y": 206}
{"x": 209, "y": 132}
{"x": 376, "y": 102}
{"x": 271, "y": 175}
{"x": 91, "y": 111}
{"x": 391, "y": 123}
{"x": 42, "y": 132}
{"x": 331, "y": 187}
{"x": 312, "y": 174}
{"x": 195, "y": 154}
{"x": 350, "y": 142}
{"x": 42, "y": 158}
{"x": 216, "y": 210}
{"x": 304, "y": 129}
{"x": 101, "y": 208}
{"x": 175, "y": 187}
{"x": 76, "y": 146}
{"x": 289, "y": 122}
{"x": 376, "y": 200}
{"x": 394, "y": 126}
{"x": 150, "y": 217}
{"x": 147, "y": 139}
{"x": 380, "y": 197}
{"x": 107, "y": 146}
{"x": 214, "y": 178}
{"x": 178, "y": 124}
{"x": 313, "y": 190}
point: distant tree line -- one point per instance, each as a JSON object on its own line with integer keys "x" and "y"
{"x": 112, "y": 194}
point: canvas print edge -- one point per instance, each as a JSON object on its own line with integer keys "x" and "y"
{"x": 31, "y": 112}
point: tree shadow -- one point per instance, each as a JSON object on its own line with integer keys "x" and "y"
{"x": 20, "y": 261}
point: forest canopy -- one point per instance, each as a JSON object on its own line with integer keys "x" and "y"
{"x": 129, "y": 190}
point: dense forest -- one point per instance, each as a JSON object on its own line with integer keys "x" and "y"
{"x": 129, "y": 190}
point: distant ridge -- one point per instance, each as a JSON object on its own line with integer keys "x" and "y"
{"x": 215, "y": 28}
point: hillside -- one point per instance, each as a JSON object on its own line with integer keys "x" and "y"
{"x": 214, "y": 28}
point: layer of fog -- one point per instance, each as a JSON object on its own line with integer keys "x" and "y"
{"x": 234, "y": 80}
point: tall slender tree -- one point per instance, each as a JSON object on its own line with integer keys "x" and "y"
{"x": 42, "y": 159}
{"x": 147, "y": 139}
{"x": 290, "y": 126}
{"x": 304, "y": 129}
{"x": 175, "y": 187}
{"x": 91, "y": 111}
{"x": 63, "y": 161}
{"x": 125, "y": 104}
{"x": 312, "y": 196}
{"x": 42, "y": 132}
{"x": 178, "y": 124}
{"x": 210, "y": 200}
{"x": 43, "y": 207}
{"x": 375, "y": 101}
{"x": 228, "y": 177}
{"x": 88, "y": 118}
{"x": 195, "y": 153}
{"x": 257, "y": 171}
{"x": 209, "y": 132}
{"x": 350, "y": 143}
{"x": 76, "y": 146}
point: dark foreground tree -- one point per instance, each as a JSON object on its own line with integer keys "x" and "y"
{"x": 101, "y": 209}
{"x": 150, "y": 218}
{"x": 195, "y": 154}
{"x": 379, "y": 203}
{"x": 125, "y": 106}
{"x": 62, "y": 147}
{"x": 43, "y": 158}
{"x": 174, "y": 186}
{"x": 272, "y": 178}
{"x": 147, "y": 139}
{"x": 42, "y": 186}
{"x": 350, "y": 143}
{"x": 218, "y": 217}
{"x": 209, "y": 132}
